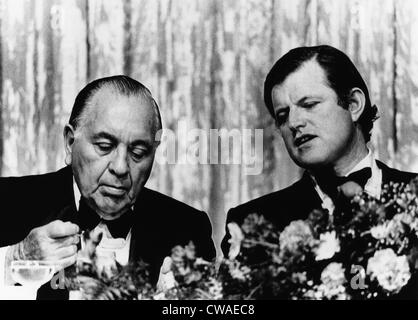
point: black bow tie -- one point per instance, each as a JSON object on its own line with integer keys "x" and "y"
{"x": 330, "y": 184}
{"x": 88, "y": 219}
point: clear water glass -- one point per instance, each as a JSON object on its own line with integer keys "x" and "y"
{"x": 33, "y": 273}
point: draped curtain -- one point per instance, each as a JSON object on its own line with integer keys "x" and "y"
{"x": 205, "y": 62}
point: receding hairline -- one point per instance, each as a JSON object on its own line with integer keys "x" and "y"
{"x": 113, "y": 89}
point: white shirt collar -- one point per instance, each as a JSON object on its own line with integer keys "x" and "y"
{"x": 373, "y": 186}
{"x": 366, "y": 162}
{"x": 77, "y": 194}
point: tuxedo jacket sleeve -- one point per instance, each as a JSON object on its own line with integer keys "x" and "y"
{"x": 280, "y": 207}
{"x": 32, "y": 201}
{"x": 163, "y": 223}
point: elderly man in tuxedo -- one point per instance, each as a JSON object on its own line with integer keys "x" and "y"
{"x": 323, "y": 111}
{"x": 110, "y": 144}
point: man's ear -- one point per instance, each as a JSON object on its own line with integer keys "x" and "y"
{"x": 356, "y": 103}
{"x": 69, "y": 133}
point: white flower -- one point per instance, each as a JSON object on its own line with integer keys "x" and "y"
{"x": 295, "y": 236}
{"x": 331, "y": 293}
{"x": 215, "y": 289}
{"x": 166, "y": 281}
{"x": 414, "y": 225}
{"x": 328, "y": 246}
{"x": 235, "y": 241}
{"x": 333, "y": 274}
{"x": 158, "y": 296}
{"x": 391, "y": 271}
{"x": 240, "y": 273}
{"x": 75, "y": 295}
{"x": 332, "y": 284}
{"x": 105, "y": 262}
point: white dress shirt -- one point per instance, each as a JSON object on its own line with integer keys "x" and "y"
{"x": 373, "y": 186}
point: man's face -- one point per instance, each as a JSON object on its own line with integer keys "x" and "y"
{"x": 112, "y": 151}
{"x": 316, "y": 130}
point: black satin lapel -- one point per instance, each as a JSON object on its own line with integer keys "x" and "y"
{"x": 386, "y": 174}
{"x": 133, "y": 246}
{"x": 138, "y": 231}
{"x": 140, "y": 227}
{"x": 308, "y": 198}
{"x": 145, "y": 244}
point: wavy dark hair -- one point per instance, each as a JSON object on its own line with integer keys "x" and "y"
{"x": 342, "y": 76}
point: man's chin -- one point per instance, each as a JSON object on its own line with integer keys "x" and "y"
{"x": 113, "y": 211}
{"x": 109, "y": 214}
{"x": 311, "y": 162}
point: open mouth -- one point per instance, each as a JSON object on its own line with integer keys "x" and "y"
{"x": 299, "y": 141}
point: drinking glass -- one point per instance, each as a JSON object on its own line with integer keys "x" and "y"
{"x": 32, "y": 273}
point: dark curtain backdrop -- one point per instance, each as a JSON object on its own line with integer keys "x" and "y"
{"x": 205, "y": 62}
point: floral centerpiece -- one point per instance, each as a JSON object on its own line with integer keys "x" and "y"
{"x": 98, "y": 276}
{"x": 366, "y": 250}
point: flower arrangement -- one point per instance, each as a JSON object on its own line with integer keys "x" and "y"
{"x": 192, "y": 277}
{"x": 365, "y": 250}
{"x": 98, "y": 276}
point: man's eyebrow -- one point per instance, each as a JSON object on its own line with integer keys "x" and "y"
{"x": 303, "y": 99}
{"x": 141, "y": 142}
{"x": 108, "y": 136}
{"x": 300, "y": 101}
{"x": 104, "y": 135}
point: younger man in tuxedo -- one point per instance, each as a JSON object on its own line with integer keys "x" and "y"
{"x": 322, "y": 109}
{"x": 110, "y": 144}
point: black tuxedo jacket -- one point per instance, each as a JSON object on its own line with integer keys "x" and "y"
{"x": 160, "y": 222}
{"x": 296, "y": 202}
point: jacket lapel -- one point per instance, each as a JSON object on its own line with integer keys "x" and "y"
{"x": 307, "y": 197}
{"x": 393, "y": 175}
{"x": 145, "y": 244}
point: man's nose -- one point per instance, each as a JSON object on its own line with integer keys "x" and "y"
{"x": 296, "y": 118}
{"x": 119, "y": 163}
